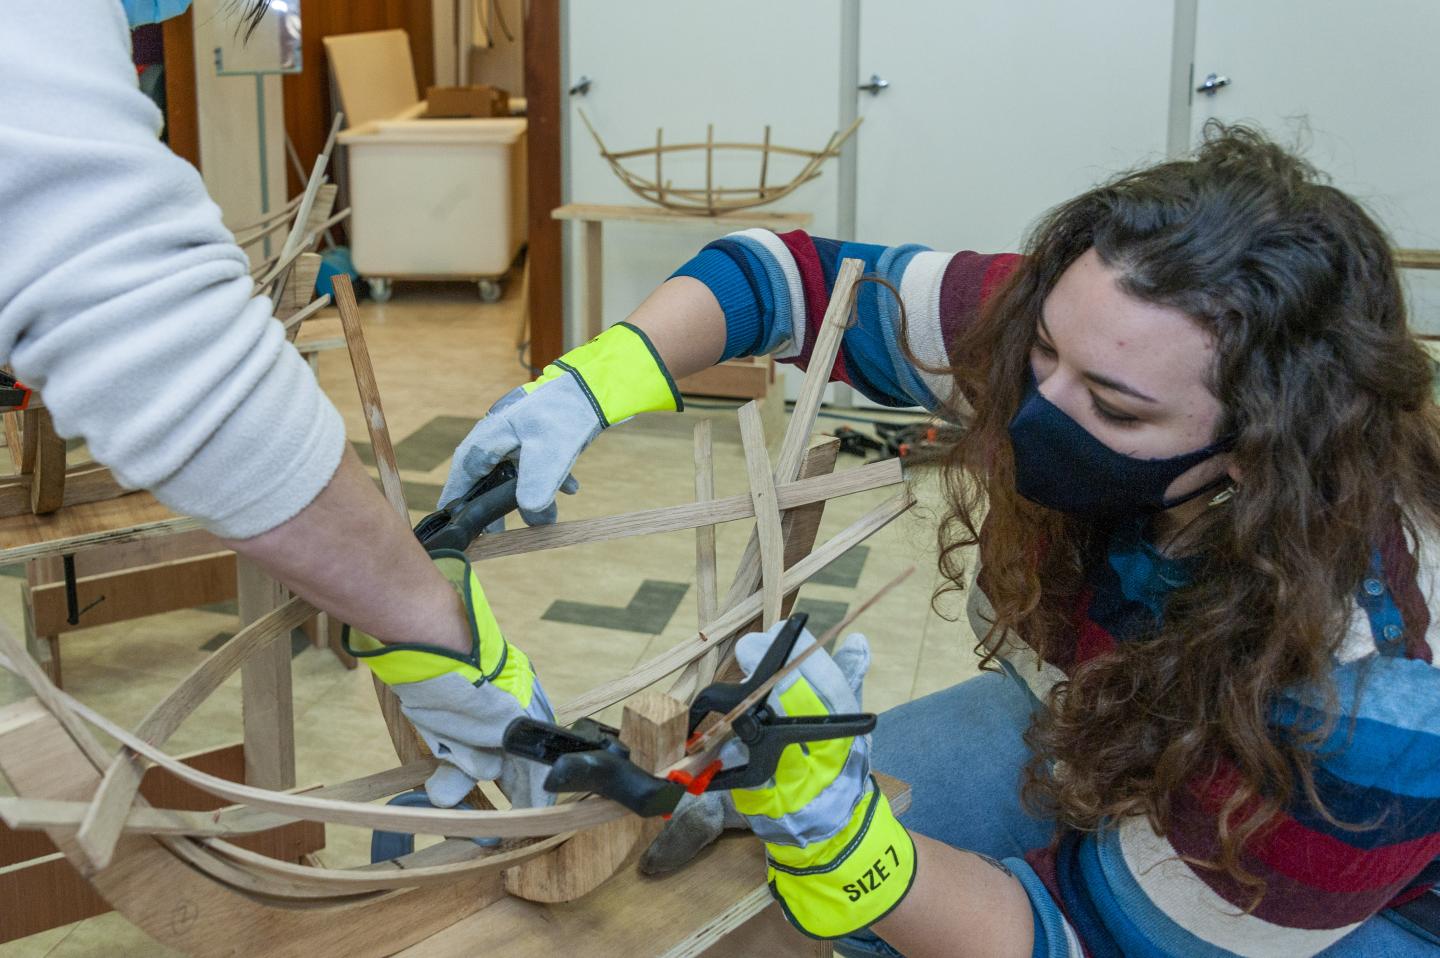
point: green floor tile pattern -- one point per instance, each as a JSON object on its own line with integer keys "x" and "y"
{"x": 433, "y": 443}
{"x": 648, "y": 612}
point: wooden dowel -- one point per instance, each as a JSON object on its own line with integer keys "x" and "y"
{"x": 764, "y": 160}
{"x": 659, "y": 152}
{"x": 709, "y": 165}
{"x": 767, "y": 513}
{"x": 705, "y": 584}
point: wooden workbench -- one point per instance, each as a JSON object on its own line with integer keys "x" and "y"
{"x": 673, "y": 916}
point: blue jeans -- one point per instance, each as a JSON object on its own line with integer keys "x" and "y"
{"x": 962, "y": 752}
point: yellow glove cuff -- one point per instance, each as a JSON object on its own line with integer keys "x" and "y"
{"x": 832, "y": 888}
{"x": 620, "y": 372}
{"x": 491, "y": 658}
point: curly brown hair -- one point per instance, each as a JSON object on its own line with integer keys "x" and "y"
{"x": 1328, "y": 398}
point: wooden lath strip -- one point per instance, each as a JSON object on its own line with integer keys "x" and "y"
{"x": 690, "y": 515}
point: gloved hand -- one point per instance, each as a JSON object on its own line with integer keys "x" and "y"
{"x": 460, "y": 705}
{"x": 700, "y": 819}
{"x": 838, "y": 858}
{"x": 546, "y": 424}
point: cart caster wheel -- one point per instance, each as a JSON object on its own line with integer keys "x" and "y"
{"x": 490, "y": 290}
{"x": 380, "y": 289}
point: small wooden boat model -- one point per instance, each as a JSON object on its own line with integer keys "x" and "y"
{"x": 710, "y": 199}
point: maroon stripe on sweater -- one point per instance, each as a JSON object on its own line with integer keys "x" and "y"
{"x": 817, "y": 300}
{"x": 1289, "y": 901}
{"x": 1322, "y": 861}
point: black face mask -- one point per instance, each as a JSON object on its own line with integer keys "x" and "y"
{"x": 1059, "y": 465}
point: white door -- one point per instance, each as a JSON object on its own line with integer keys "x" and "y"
{"x": 1359, "y": 83}
{"x": 656, "y": 63}
{"x": 996, "y": 111}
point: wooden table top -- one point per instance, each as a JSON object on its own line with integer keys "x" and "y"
{"x": 739, "y": 219}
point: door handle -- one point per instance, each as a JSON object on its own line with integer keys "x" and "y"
{"x": 876, "y": 84}
{"x": 582, "y": 86}
{"x": 1213, "y": 83}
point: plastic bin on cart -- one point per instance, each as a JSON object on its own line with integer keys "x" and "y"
{"x": 436, "y": 199}
{"x": 429, "y": 198}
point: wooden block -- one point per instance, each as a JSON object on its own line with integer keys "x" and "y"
{"x": 47, "y": 479}
{"x": 654, "y": 727}
{"x": 748, "y": 378}
{"x": 577, "y": 867}
{"x": 130, "y": 594}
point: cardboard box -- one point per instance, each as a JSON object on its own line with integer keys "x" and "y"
{"x": 467, "y": 101}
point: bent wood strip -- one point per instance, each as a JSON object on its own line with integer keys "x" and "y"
{"x": 121, "y": 783}
{"x": 767, "y": 513}
{"x": 734, "y": 619}
{"x": 63, "y": 707}
{"x": 33, "y": 814}
{"x": 689, "y": 515}
{"x": 199, "y": 916}
{"x": 398, "y": 873}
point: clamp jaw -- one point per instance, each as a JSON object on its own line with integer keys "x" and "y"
{"x": 454, "y": 527}
{"x": 589, "y": 757}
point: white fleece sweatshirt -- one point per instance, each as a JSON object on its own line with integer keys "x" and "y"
{"x": 123, "y": 297}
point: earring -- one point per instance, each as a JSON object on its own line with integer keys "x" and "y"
{"x": 1223, "y": 496}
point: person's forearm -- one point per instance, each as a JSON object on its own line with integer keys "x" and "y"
{"x": 961, "y": 904}
{"x": 349, "y": 554}
{"x": 685, "y": 324}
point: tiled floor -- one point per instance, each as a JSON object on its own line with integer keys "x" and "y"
{"x": 584, "y": 614}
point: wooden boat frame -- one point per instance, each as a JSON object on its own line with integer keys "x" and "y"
{"x": 177, "y": 876}
{"x": 712, "y": 200}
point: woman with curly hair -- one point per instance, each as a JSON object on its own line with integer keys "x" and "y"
{"x": 1202, "y": 472}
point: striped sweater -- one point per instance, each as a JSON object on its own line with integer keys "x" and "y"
{"x": 1127, "y": 890}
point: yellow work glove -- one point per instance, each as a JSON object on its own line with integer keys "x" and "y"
{"x": 838, "y": 859}
{"x": 546, "y": 424}
{"x": 461, "y": 704}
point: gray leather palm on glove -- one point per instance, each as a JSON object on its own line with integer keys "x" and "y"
{"x": 700, "y": 820}
{"x": 545, "y": 425}
{"x": 461, "y": 704}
